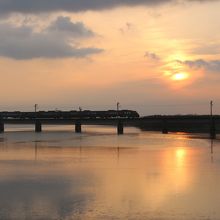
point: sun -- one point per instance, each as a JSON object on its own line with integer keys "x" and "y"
{"x": 180, "y": 76}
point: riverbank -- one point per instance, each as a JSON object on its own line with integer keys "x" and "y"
{"x": 180, "y": 123}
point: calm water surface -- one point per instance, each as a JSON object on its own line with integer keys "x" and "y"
{"x": 58, "y": 174}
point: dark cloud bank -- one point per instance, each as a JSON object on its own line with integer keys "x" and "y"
{"x": 35, "y": 6}
{"x": 58, "y": 40}
{"x": 208, "y": 65}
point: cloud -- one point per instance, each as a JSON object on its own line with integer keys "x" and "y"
{"x": 152, "y": 56}
{"x": 211, "y": 66}
{"x": 65, "y": 25}
{"x": 128, "y": 27}
{"x": 58, "y": 40}
{"x": 35, "y": 6}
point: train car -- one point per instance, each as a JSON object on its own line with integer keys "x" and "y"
{"x": 86, "y": 114}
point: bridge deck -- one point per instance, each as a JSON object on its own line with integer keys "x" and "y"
{"x": 113, "y": 121}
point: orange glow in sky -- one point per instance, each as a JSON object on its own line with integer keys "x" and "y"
{"x": 96, "y": 55}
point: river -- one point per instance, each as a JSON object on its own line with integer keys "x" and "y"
{"x": 61, "y": 175}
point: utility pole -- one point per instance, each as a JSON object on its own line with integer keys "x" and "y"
{"x": 212, "y": 119}
{"x": 35, "y": 108}
{"x": 211, "y": 108}
{"x": 118, "y": 106}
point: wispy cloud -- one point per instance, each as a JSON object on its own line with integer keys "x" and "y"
{"x": 152, "y": 56}
{"x": 127, "y": 27}
{"x": 208, "y": 65}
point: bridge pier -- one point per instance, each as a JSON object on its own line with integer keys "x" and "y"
{"x": 164, "y": 127}
{"x": 2, "y": 127}
{"x": 78, "y": 127}
{"x": 120, "y": 128}
{"x": 212, "y": 129}
{"x": 38, "y": 126}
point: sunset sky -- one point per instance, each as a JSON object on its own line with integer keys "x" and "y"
{"x": 153, "y": 56}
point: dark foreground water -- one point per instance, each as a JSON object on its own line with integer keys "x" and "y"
{"x": 58, "y": 174}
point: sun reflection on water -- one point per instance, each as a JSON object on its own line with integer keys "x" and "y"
{"x": 153, "y": 172}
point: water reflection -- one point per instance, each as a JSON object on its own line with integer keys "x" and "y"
{"x": 35, "y": 150}
{"x": 136, "y": 176}
{"x": 212, "y": 151}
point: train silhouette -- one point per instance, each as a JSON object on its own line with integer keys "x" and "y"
{"x": 86, "y": 114}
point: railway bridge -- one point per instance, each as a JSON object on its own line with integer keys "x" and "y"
{"x": 119, "y": 123}
{"x": 165, "y": 124}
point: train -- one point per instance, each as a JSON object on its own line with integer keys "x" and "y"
{"x": 85, "y": 114}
